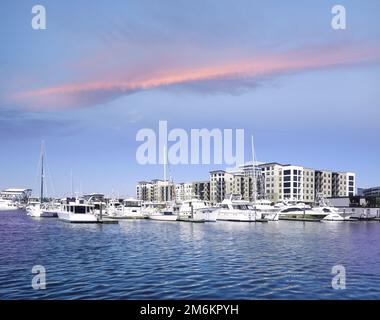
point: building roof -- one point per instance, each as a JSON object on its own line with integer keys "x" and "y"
{"x": 15, "y": 190}
{"x": 217, "y": 171}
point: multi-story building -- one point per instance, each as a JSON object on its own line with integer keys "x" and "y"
{"x": 221, "y": 184}
{"x": 309, "y": 185}
{"x": 155, "y": 190}
{"x": 275, "y": 182}
{"x": 184, "y": 191}
{"x": 145, "y": 191}
{"x": 278, "y": 182}
{"x": 201, "y": 190}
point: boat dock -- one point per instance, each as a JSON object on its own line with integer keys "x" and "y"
{"x": 107, "y": 221}
{"x": 301, "y": 219}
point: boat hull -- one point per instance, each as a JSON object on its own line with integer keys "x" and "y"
{"x": 236, "y": 216}
{"x": 77, "y": 218}
{"x": 163, "y": 217}
{"x": 201, "y": 215}
{"x": 10, "y": 208}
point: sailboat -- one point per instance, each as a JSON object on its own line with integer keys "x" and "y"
{"x": 40, "y": 209}
{"x": 263, "y": 209}
{"x": 160, "y": 211}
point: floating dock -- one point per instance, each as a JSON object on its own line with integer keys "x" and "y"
{"x": 107, "y": 221}
{"x": 301, "y": 219}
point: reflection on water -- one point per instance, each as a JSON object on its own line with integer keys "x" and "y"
{"x": 141, "y": 259}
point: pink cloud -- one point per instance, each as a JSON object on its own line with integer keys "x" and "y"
{"x": 96, "y": 91}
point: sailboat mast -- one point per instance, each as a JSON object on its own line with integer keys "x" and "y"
{"x": 42, "y": 172}
{"x": 165, "y": 159}
{"x": 254, "y": 182}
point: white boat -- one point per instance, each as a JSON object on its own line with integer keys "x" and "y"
{"x": 163, "y": 216}
{"x": 236, "y": 210}
{"x": 39, "y": 209}
{"x": 45, "y": 210}
{"x": 160, "y": 211}
{"x": 197, "y": 210}
{"x": 333, "y": 214}
{"x": 8, "y": 205}
{"x": 129, "y": 209}
{"x": 97, "y": 199}
{"x": 265, "y": 209}
{"x": 292, "y": 210}
{"x": 77, "y": 211}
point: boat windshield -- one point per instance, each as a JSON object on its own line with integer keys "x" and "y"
{"x": 240, "y": 206}
{"x": 132, "y": 204}
{"x": 79, "y": 209}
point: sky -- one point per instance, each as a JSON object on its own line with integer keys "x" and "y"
{"x": 101, "y": 71}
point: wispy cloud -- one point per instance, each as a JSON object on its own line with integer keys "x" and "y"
{"x": 244, "y": 72}
{"x": 16, "y": 124}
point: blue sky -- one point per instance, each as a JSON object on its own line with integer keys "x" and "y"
{"x": 102, "y": 71}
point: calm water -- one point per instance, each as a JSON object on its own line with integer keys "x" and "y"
{"x": 145, "y": 259}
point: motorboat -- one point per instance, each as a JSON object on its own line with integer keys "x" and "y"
{"x": 128, "y": 209}
{"x": 160, "y": 211}
{"x": 8, "y": 205}
{"x": 163, "y": 216}
{"x": 196, "y": 209}
{"x": 333, "y": 214}
{"x": 232, "y": 209}
{"x": 264, "y": 208}
{"x": 292, "y": 210}
{"x": 77, "y": 211}
{"x": 98, "y": 200}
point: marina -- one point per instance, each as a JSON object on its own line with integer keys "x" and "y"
{"x": 144, "y": 259}
{"x": 190, "y": 151}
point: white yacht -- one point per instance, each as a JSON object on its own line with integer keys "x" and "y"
{"x": 7, "y": 205}
{"x": 196, "y": 209}
{"x": 99, "y": 202}
{"x": 265, "y": 209}
{"x": 291, "y": 210}
{"x": 333, "y": 214}
{"x": 128, "y": 209}
{"x": 160, "y": 211}
{"x": 77, "y": 211}
{"x": 163, "y": 216}
{"x": 236, "y": 210}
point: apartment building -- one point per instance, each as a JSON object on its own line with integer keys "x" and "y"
{"x": 145, "y": 191}
{"x": 275, "y": 182}
{"x": 155, "y": 190}
{"x": 221, "y": 184}
{"x": 278, "y": 182}
{"x": 184, "y": 191}
{"x": 201, "y": 190}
